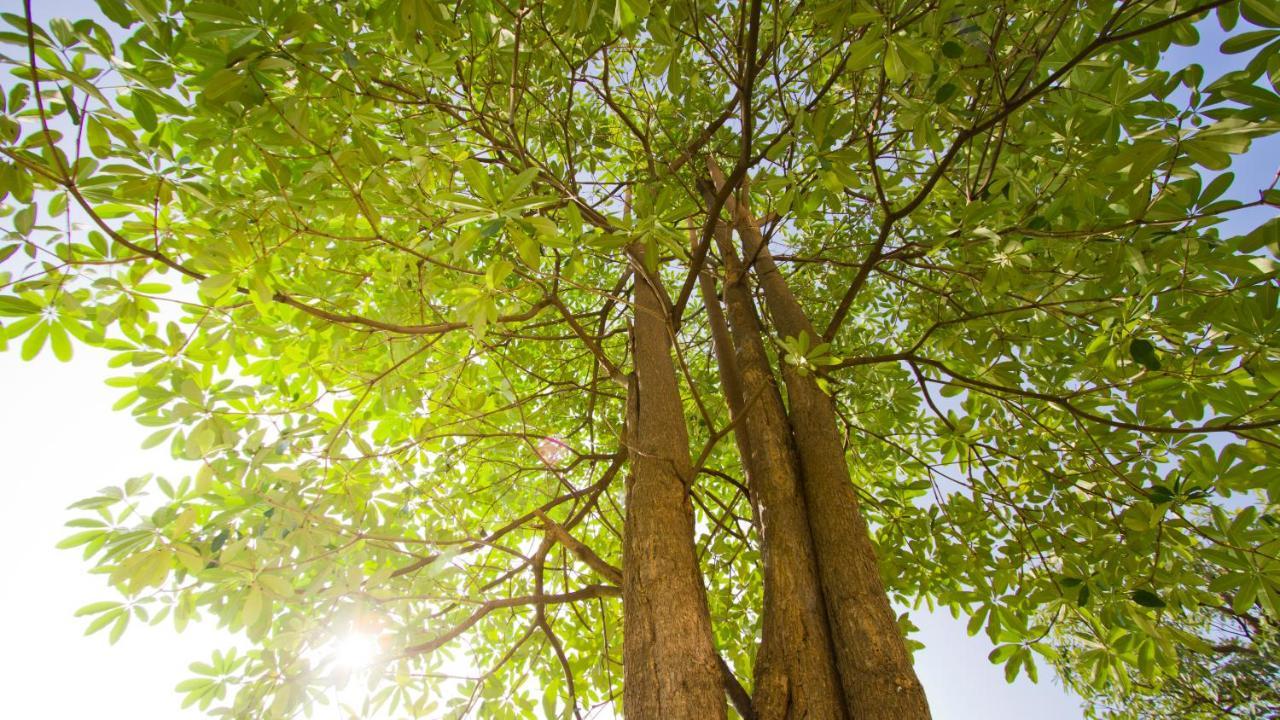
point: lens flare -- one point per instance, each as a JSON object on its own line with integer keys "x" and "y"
{"x": 357, "y": 650}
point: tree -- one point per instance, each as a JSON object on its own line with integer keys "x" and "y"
{"x": 455, "y": 308}
{"x": 1227, "y": 668}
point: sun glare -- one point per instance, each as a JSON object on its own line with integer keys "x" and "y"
{"x": 357, "y": 650}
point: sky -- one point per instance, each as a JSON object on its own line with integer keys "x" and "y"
{"x": 60, "y": 441}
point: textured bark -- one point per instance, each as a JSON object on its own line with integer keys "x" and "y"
{"x": 669, "y": 663}
{"x": 795, "y": 673}
{"x": 873, "y": 661}
{"x": 730, "y": 377}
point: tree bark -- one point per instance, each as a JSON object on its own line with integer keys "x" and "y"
{"x": 873, "y": 661}
{"x": 795, "y": 674}
{"x": 730, "y": 377}
{"x": 669, "y": 661}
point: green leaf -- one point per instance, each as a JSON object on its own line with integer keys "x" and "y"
{"x": 1260, "y": 12}
{"x": 35, "y": 341}
{"x": 1248, "y": 41}
{"x": 144, "y": 113}
{"x": 1011, "y": 669}
{"x": 192, "y": 392}
{"x": 118, "y": 629}
{"x": 79, "y": 539}
{"x": 24, "y": 220}
{"x": 529, "y": 251}
{"x": 1213, "y": 146}
{"x": 9, "y": 130}
{"x": 1002, "y": 654}
{"x": 520, "y": 183}
{"x": 252, "y": 607}
{"x": 1147, "y": 598}
{"x": 1216, "y": 188}
{"x": 103, "y": 620}
{"x": 17, "y": 307}
{"x": 1144, "y": 353}
{"x": 216, "y": 286}
{"x": 156, "y": 438}
{"x": 894, "y": 69}
{"x": 60, "y": 342}
{"x": 116, "y": 11}
{"x": 224, "y": 85}
{"x": 1245, "y": 596}
{"x": 477, "y": 179}
{"x": 97, "y": 607}
{"x": 97, "y": 137}
{"x": 1265, "y": 235}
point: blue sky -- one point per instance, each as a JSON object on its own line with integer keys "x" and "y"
{"x": 60, "y": 441}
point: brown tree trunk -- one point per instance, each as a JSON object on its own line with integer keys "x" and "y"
{"x": 874, "y": 663}
{"x": 730, "y": 377}
{"x": 669, "y": 662}
{"x": 795, "y": 670}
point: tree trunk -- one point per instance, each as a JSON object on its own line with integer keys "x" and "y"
{"x": 669, "y": 662}
{"x": 874, "y": 663}
{"x": 795, "y": 670}
{"x": 730, "y": 378}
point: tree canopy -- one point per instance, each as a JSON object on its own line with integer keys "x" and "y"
{"x": 384, "y": 271}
